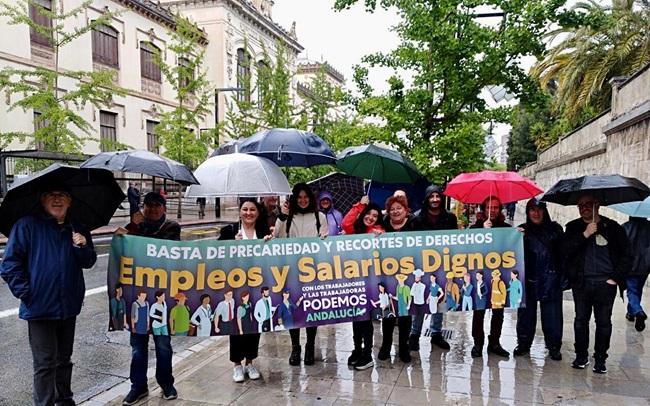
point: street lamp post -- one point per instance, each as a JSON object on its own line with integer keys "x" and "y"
{"x": 217, "y": 201}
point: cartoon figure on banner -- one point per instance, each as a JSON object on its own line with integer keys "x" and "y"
{"x": 158, "y": 313}
{"x": 436, "y": 294}
{"x": 203, "y": 317}
{"x": 386, "y": 307}
{"x": 179, "y": 316}
{"x": 498, "y": 297}
{"x": 515, "y": 291}
{"x": 264, "y": 311}
{"x": 285, "y": 310}
{"x": 245, "y": 320}
{"x": 140, "y": 314}
{"x": 466, "y": 292}
{"x": 224, "y": 315}
{"x": 417, "y": 293}
{"x": 118, "y": 310}
{"x": 403, "y": 296}
{"x": 481, "y": 292}
{"x": 452, "y": 293}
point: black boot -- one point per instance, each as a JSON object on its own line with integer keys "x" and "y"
{"x": 294, "y": 358}
{"x": 354, "y": 357}
{"x": 309, "y": 354}
{"x": 414, "y": 343}
{"x": 439, "y": 340}
{"x": 639, "y": 323}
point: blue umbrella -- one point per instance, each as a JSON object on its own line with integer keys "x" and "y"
{"x": 634, "y": 209}
{"x": 289, "y": 147}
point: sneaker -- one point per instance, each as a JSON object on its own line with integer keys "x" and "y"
{"x": 520, "y": 350}
{"x": 600, "y": 367}
{"x": 477, "y": 351}
{"x": 438, "y": 340}
{"x": 364, "y": 362}
{"x": 354, "y": 357}
{"x": 133, "y": 396}
{"x": 639, "y": 324}
{"x": 171, "y": 394}
{"x": 629, "y": 317}
{"x": 497, "y": 349}
{"x": 555, "y": 355}
{"x": 383, "y": 354}
{"x": 252, "y": 372}
{"x": 414, "y": 343}
{"x": 238, "y": 374}
{"x": 580, "y": 362}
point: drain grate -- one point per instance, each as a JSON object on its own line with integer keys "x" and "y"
{"x": 446, "y": 334}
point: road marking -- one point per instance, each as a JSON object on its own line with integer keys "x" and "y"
{"x": 89, "y": 292}
{"x": 102, "y": 255}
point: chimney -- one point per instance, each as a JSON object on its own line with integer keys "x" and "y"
{"x": 616, "y": 83}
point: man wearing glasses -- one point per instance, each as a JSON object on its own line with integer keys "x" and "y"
{"x": 42, "y": 266}
{"x": 598, "y": 257}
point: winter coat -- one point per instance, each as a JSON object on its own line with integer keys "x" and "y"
{"x": 421, "y": 222}
{"x": 638, "y": 232}
{"x": 43, "y": 268}
{"x": 353, "y": 215}
{"x": 230, "y": 231}
{"x": 302, "y": 225}
{"x": 543, "y": 259}
{"x": 575, "y": 245}
{"x": 168, "y": 230}
{"x": 334, "y": 217}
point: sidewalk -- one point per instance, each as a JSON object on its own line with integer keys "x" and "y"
{"x": 434, "y": 377}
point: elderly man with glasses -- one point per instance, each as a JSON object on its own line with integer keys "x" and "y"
{"x": 598, "y": 257}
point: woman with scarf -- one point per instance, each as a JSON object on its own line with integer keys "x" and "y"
{"x": 252, "y": 226}
{"x": 363, "y": 217}
{"x": 299, "y": 217}
{"x": 334, "y": 217}
{"x": 543, "y": 260}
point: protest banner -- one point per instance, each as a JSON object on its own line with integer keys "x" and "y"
{"x": 232, "y": 287}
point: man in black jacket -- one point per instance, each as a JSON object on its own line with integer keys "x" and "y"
{"x": 598, "y": 257}
{"x": 152, "y": 222}
{"x": 433, "y": 216}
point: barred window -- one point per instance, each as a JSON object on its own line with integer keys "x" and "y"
{"x": 243, "y": 74}
{"x": 148, "y": 68}
{"x": 42, "y": 20}
{"x": 105, "y": 46}
{"x": 152, "y": 137}
{"x": 107, "y": 130}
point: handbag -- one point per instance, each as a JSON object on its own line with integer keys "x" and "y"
{"x": 192, "y": 331}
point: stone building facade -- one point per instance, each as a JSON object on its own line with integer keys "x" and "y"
{"x": 617, "y": 141}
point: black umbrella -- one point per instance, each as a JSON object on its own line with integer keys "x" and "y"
{"x": 289, "y": 147}
{"x": 95, "y": 195}
{"x": 145, "y": 162}
{"x": 607, "y": 189}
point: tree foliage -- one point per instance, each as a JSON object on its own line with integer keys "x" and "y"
{"x": 449, "y": 56}
{"x": 60, "y": 124}
{"x": 178, "y": 130}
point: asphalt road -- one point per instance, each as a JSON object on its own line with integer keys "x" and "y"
{"x": 101, "y": 358}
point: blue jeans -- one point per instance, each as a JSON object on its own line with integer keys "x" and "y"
{"x": 634, "y": 293}
{"x": 140, "y": 362}
{"x": 435, "y": 324}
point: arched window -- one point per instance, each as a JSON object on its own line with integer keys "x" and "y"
{"x": 105, "y": 46}
{"x": 148, "y": 67}
{"x": 243, "y": 74}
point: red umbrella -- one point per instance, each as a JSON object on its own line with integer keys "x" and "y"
{"x": 476, "y": 186}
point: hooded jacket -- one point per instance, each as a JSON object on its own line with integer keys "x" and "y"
{"x": 638, "y": 232}
{"x": 421, "y": 222}
{"x": 333, "y": 216}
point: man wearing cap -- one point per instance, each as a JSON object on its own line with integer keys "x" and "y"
{"x": 152, "y": 222}
{"x": 179, "y": 316}
{"x": 433, "y": 216}
{"x": 43, "y": 267}
{"x": 598, "y": 263}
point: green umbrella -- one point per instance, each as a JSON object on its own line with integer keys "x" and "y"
{"x": 378, "y": 164}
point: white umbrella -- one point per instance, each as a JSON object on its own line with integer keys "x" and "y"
{"x": 238, "y": 175}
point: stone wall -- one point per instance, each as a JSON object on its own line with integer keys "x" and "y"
{"x": 617, "y": 141}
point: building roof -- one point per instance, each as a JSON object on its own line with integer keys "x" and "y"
{"x": 156, "y": 12}
{"x": 307, "y": 66}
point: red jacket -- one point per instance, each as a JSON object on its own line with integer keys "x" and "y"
{"x": 352, "y": 216}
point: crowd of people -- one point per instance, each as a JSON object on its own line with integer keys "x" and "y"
{"x": 593, "y": 256}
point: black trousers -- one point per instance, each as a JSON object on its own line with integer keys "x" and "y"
{"x": 244, "y": 347}
{"x": 51, "y": 342}
{"x": 362, "y": 332}
{"x": 552, "y": 320}
{"x": 597, "y": 296}
{"x": 295, "y": 335}
{"x": 404, "y": 330}
{"x": 496, "y": 323}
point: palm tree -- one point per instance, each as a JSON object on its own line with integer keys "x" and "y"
{"x": 615, "y": 41}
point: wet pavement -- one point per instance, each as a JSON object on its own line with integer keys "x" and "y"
{"x": 204, "y": 372}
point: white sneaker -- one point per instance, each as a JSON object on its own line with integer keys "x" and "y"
{"x": 252, "y": 372}
{"x": 238, "y": 374}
